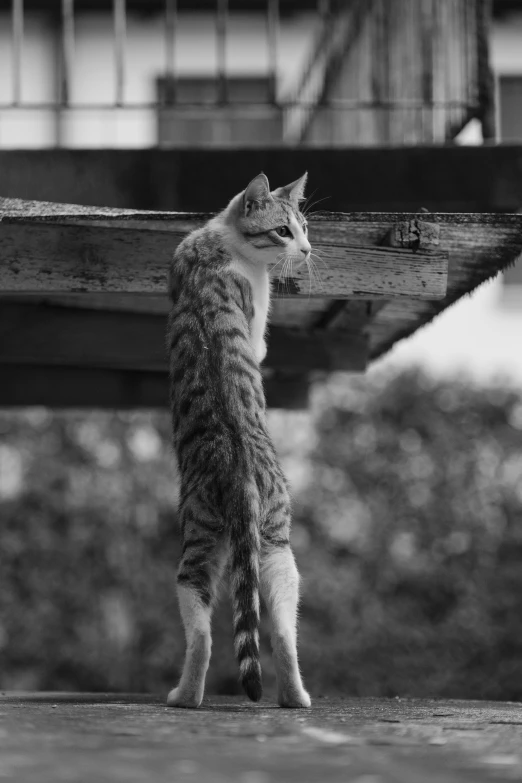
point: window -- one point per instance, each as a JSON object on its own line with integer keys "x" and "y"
{"x": 510, "y": 105}
{"x": 207, "y": 111}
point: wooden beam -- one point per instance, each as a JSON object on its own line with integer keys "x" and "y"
{"x": 55, "y": 247}
{"x": 51, "y": 335}
{"x": 342, "y": 316}
{"x": 480, "y": 246}
{"x": 384, "y": 179}
{"x": 74, "y": 387}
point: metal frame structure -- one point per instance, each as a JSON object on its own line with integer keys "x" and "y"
{"x": 337, "y": 27}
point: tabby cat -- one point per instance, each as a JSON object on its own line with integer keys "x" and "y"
{"x": 234, "y": 504}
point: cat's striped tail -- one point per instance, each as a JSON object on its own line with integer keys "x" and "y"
{"x": 244, "y": 571}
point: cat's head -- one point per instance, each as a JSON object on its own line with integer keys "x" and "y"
{"x": 269, "y": 225}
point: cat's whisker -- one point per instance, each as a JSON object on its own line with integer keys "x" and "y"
{"x": 286, "y": 278}
{"x": 280, "y": 260}
{"x": 276, "y": 264}
{"x": 304, "y": 207}
{"x": 290, "y": 274}
{"x": 321, "y": 259}
{"x": 300, "y": 263}
{"x": 279, "y": 257}
{"x": 310, "y": 265}
{"x": 314, "y": 255}
{"x": 309, "y": 278}
{"x": 279, "y": 277}
{"x": 282, "y": 274}
{"x": 317, "y": 255}
{"x": 313, "y": 204}
{"x": 316, "y": 275}
{"x": 293, "y": 257}
{"x": 283, "y": 277}
{"x": 285, "y": 262}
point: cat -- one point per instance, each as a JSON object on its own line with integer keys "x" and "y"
{"x": 234, "y": 503}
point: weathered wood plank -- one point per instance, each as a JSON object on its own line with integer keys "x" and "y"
{"x": 62, "y": 248}
{"x": 43, "y": 334}
{"x": 380, "y": 271}
{"x": 88, "y": 387}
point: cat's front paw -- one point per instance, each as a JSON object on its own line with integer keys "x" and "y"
{"x": 293, "y": 698}
{"x": 178, "y": 697}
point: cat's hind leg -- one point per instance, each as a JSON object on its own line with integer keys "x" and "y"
{"x": 199, "y": 574}
{"x": 280, "y": 589}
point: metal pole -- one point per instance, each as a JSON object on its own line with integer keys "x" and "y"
{"x": 120, "y": 28}
{"x": 273, "y": 45}
{"x": 67, "y": 50}
{"x": 171, "y": 20}
{"x": 221, "y": 31}
{"x": 18, "y": 36}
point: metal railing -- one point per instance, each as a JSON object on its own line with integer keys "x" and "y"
{"x": 318, "y": 108}
{"x": 118, "y": 10}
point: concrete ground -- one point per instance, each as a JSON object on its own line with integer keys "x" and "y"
{"x": 54, "y": 737}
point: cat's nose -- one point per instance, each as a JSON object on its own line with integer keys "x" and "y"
{"x": 306, "y": 250}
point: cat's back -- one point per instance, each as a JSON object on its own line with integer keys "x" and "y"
{"x": 207, "y": 296}
{"x": 202, "y": 251}
{"x": 216, "y": 389}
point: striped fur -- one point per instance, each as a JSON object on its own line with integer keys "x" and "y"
{"x": 234, "y": 502}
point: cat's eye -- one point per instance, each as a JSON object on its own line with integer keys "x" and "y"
{"x": 283, "y": 231}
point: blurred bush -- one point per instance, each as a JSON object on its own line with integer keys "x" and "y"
{"x": 407, "y": 531}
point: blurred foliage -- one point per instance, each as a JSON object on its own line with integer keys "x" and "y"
{"x": 407, "y": 531}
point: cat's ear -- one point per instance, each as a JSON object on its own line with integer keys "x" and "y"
{"x": 294, "y": 191}
{"x": 256, "y": 193}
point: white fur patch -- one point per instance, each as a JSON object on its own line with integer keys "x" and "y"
{"x": 196, "y": 621}
{"x": 257, "y": 276}
{"x": 280, "y": 586}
